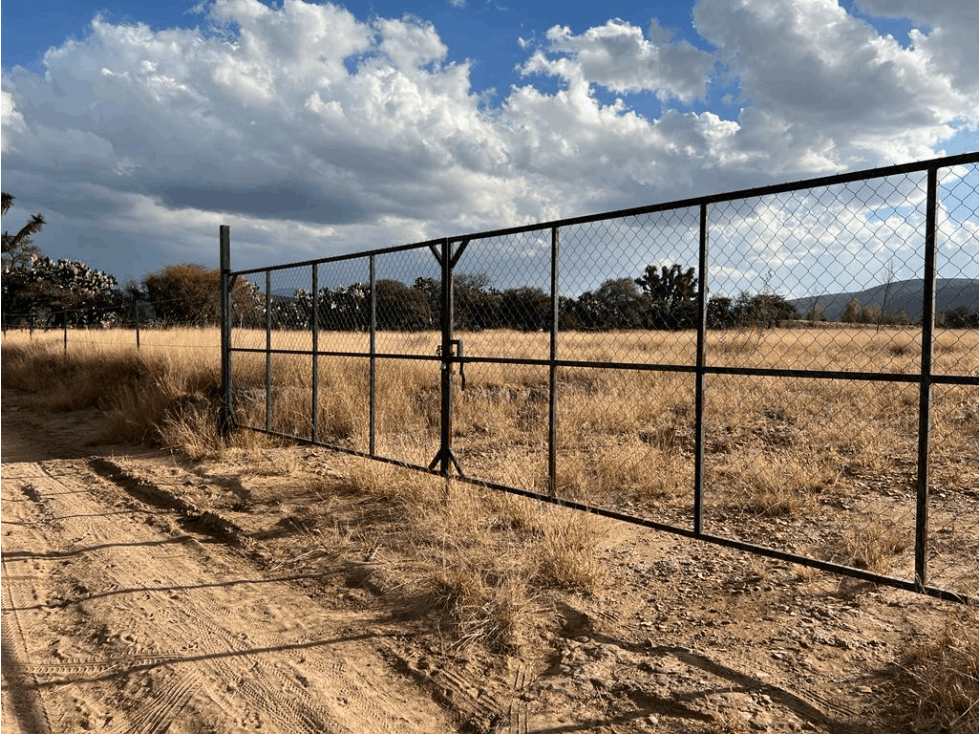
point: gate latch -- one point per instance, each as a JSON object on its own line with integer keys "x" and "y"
{"x": 455, "y": 355}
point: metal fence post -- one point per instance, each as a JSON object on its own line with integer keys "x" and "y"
{"x": 268, "y": 350}
{"x": 372, "y": 444}
{"x": 226, "y": 417}
{"x": 64, "y": 326}
{"x": 315, "y": 325}
{"x": 924, "y": 398}
{"x": 448, "y": 318}
{"x": 701, "y": 379}
{"x": 552, "y": 367}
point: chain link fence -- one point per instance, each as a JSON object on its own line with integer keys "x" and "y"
{"x": 792, "y": 370}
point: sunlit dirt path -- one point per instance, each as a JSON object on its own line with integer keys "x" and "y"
{"x": 117, "y": 619}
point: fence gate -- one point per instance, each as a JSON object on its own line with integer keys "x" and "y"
{"x": 790, "y": 370}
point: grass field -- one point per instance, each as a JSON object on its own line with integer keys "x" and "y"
{"x": 821, "y": 467}
{"x": 782, "y": 453}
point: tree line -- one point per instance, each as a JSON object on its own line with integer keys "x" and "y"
{"x": 56, "y": 293}
{"x": 663, "y": 297}
{"x": 40, "y": 292}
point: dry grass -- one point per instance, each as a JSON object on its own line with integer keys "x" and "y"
{"x": 875, "y": 545}
{"x": 774, "y": 444}
{"x": 778, "y": 449}
{"x": 166, "y": 392}
{"x": 778, "y": 484}
{"x": 487, "y": 557}
{"x": 941, "y": 674}
{"x": 487, "y": 603}
{"x": 566, "y": 552}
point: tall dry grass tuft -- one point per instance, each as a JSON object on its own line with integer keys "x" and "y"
{"x": 566, "y": 554}
{"x": 191, "y": 429}
{"x": 941, "y": 675}
{"x": 390, "y": 483}
{"x": 489, "y": 603}
{"x": 474, "y": 568}
{"x": 876, "y": 545}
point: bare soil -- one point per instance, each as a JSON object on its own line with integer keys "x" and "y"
{"x": 145, "y": 593}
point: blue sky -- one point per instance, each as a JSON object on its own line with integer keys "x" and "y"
{"x": 138, "y": 128}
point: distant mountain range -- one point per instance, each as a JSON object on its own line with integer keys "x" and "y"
{"x": 901, "y": 295}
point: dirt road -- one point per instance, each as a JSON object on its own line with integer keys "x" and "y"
{"x": 118, "y": 619}
{"x": 144, "y": 594}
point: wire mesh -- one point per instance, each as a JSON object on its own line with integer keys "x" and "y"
{"x": 791, "y": 370}
{"x": 954, "y": 480}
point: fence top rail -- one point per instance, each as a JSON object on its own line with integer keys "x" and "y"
{"x": 822, "y": 181}
{"x": 339, "y": 258}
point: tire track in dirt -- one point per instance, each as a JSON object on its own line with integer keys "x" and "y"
{"x": 475, "y": 699}
{"x": 158, "y": 633}
{"x": 20, "y": 696}
{"x": 157, "y": 717}
{"x": 25, "y": 583}
{"x": 263, "y": 682}
{"x": 519, "y": 723}
{"x": 349, "y": 678}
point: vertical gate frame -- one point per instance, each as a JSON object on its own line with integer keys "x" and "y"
{"x": 701, "y": 378}
{"x": 372, "y": 398}
{"x": 448, "y": 260}
{"x": 226, "y": 417}
{"x": 924, "y": 398}
{"x": 268, "y": 351}
{"x": 552, "y": 416}
{"x": 315, "y": 326}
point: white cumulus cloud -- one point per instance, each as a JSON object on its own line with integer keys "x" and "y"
{"x": 831, "y": 82}
{"x": 619, "y": 57}
{"x": 303, "y": 124}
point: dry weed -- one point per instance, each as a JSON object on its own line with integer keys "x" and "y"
{"x": 320, "y": 546}
{"x": 873, "y": 546}
{"x": 775, "y": 485}
{"x": 488, "y": 599}
{"x": 192, "y": 431}
{"x": 484, "y": 555}
{"x": 515, "y": 513}
{"x": 389, "y": 482}
{"x": 566, "y": 552}
{"x": 941, "y": 674}
{"x": 805, "y": 574}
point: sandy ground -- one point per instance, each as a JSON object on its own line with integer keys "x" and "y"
{"x": 116, "y": 620}
{"x": 142, "y": 594}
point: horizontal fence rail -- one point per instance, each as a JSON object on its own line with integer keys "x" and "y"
{"x": 790, "y": 370}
